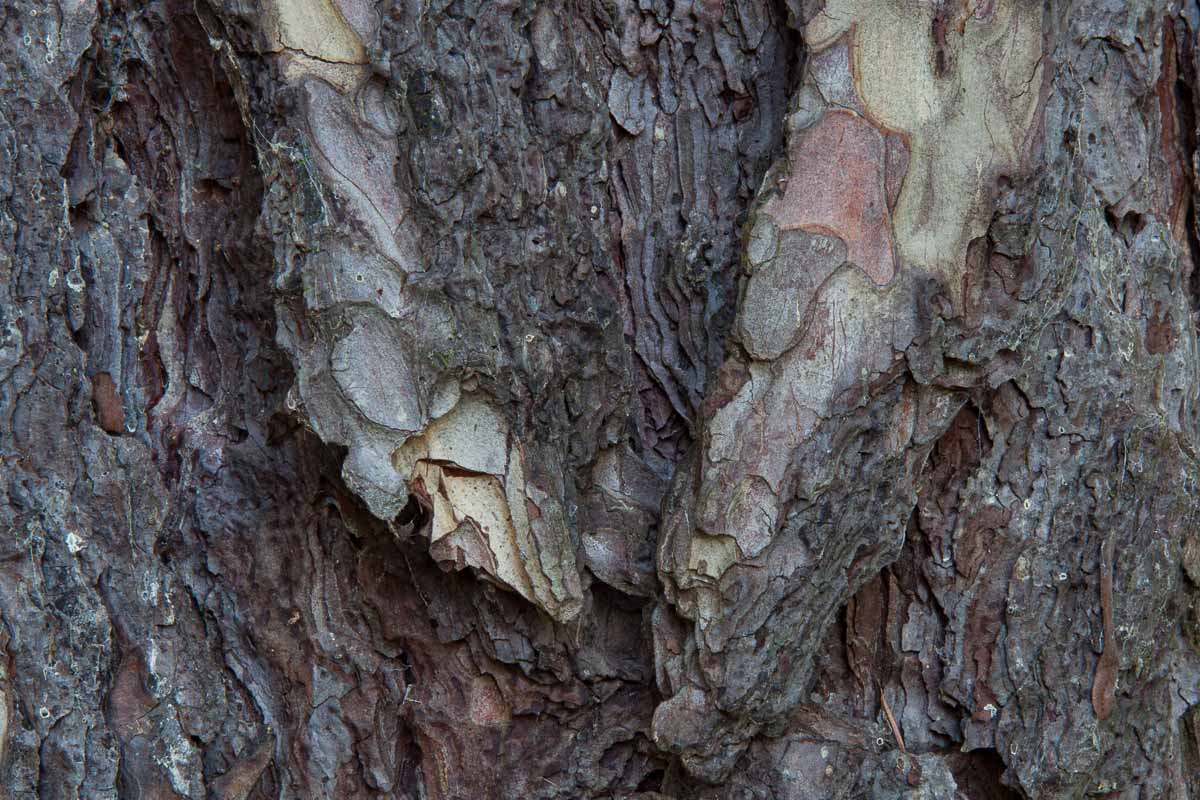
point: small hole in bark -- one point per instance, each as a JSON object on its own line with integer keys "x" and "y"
{"x": 979, "y": 774}
{"x": 413, "y": 514}
{"x": 409, "y": 772}
{"x": 652, "y": 782}
{"x": 1128, "y": 225}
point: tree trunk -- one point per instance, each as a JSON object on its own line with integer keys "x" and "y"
{"x": 680, "y": 400}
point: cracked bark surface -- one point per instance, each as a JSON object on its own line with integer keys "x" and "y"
{"x": 598, "y": 400}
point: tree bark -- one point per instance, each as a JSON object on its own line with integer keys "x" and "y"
{"x": 693, "y": 400}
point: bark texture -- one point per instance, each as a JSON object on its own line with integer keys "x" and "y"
{"x": 599, "y": 399}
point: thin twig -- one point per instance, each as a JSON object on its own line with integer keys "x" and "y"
{"x": 887, "y": 711}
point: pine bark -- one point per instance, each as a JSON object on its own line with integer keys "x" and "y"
{"x": 691, "y": 400}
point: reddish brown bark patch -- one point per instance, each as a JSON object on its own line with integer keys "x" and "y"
{"x": 1160, "y": 332}
{"x": 837, "y": 187}
{"x": 110, "y": 412}
{"x": 1171, "y": 199}
{"x": 1105, "y": 683}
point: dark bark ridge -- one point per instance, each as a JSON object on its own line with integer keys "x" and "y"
{"x": 693, "y": 400}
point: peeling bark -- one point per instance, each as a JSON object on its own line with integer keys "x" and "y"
{"x": 694, "y": 400}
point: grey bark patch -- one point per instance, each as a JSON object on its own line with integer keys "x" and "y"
{"x": 776, "y": 298}
{"x": 370, "y": 366}
{"x": 628, "y": 101}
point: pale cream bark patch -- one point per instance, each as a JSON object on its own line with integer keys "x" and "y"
{"x": 472, "y": 473}
{"x": 966, "y": 123}
{"x": 909, "y": 112}
{"x": 710, "y": 556}
{"x": 315, "y": 38}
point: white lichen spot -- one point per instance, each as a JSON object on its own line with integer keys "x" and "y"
{"x": 75, "y": 281}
